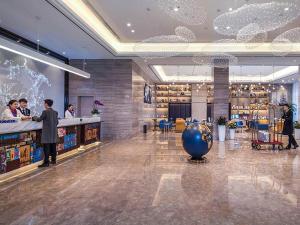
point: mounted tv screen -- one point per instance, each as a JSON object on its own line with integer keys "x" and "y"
{"x": 147, "y": 94}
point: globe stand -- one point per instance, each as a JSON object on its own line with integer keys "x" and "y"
{"x": 197, "y": 160}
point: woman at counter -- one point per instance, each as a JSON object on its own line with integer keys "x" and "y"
{"x": 70, "y": 112}
{"x": 12, "y": 111}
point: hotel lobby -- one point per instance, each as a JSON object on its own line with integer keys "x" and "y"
{"x": 149, "y": 112}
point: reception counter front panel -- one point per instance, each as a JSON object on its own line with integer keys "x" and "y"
{"x": 20, "y": 143}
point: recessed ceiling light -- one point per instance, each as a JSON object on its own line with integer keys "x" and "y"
{"x": 63, "y": 53}
{"x": 228, "y": 27}
{"x": 216, "y": 28}
{"x": 230, "y": 9}
{"x": 132, "y": 31}
{"x": 176, "y": 9}
{"x": 38, "y": 40}
{"x": 128, "y": 24}
{"x": 286, "y": 9}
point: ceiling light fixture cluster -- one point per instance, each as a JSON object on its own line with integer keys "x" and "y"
{"x": 221, "y": 60}
{"x": 252, "y": 33}
{"x": 189, "y": 12}
{"x": 185, "y": 33}
{"x": 287, "y": 38}
{"x": 182, "y": 35}
{"x": 268, "y": 16}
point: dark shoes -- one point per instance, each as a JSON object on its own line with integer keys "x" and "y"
{"x": 46, "y": 164}
{"x": 43, "y": 165}
{"x": 289, "y": 147}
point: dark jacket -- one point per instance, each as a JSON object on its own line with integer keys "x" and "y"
{"x": 50, "y": 122}
{"x": 288, "y": 125}
{"x": 25, "y": 112}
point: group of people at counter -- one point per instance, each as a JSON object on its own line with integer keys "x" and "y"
{"x": 19, "y": 110}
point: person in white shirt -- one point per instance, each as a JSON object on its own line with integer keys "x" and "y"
{"x": 70, "y": 112}
{"x": 12, "y": 111}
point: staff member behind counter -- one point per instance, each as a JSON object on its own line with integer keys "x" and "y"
{"x": 70, "y": 112}
{"x": 23, "y": 107}
{"x": 12, "y": 111}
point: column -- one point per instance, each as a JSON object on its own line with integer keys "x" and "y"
{"x": 199, "y": 102}
{"x": 221, "y": 94}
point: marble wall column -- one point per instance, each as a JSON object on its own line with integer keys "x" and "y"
{"x": 221, "y": 94}
{"x": 119, "y": 85}
{"x": 199, "y": 102}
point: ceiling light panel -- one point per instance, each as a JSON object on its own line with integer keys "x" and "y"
{"x": 28, "y": 53}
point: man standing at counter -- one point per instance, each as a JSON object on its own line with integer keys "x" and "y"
{"x": 49, "y": 132}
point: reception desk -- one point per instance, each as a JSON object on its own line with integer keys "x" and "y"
{"x": 20, "y": 142}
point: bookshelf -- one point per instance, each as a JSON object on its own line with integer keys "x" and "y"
{"x": 171, "y": 93}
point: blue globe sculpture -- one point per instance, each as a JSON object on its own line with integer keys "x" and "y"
{"x": 197, "y": 141}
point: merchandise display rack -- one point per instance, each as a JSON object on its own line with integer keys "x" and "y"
{"x": 244, "y": 101}
{"x": 171, "y": 93}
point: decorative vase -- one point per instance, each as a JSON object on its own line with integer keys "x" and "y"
{"x": 231, "y": 134}
{"x": 221, "y": 132}
{"x": 297, "y": 134}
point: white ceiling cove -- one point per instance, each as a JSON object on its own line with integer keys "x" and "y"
{"x": 37, "y": 19}
{"x": 148, "y": 20}
{"x": 62, "y": 30}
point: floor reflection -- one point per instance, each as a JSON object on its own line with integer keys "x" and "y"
{"x": 148, "y": 180}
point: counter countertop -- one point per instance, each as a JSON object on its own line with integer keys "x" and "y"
{"x": 20, "y": 126}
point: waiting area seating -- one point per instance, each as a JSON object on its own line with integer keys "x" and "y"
{"x": 165, "y": 125}
{"x": 180, "y": 125}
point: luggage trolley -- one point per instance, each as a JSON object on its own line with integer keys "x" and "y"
{"x": 273, "y": 128}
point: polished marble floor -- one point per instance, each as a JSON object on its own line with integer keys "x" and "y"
{"x": 147, "y": 180}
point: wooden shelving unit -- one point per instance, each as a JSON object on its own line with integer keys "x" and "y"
{"x": 246, "y": 100}
{"x": 170, "y": 93}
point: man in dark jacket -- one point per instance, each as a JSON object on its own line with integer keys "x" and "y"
{"x": 288, "y": 126}
{"x": 23, "y": 107}
{"x": 49, "y": 132}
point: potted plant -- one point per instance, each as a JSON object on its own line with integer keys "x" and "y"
{"x": 95, "y": 111}
{"x": 297, "y": 130}
{"x": 221, "y": 121}
{"x": 232, "y": 126}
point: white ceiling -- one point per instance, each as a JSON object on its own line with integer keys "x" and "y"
{"x": 149, "y": 20}
{"x": 37, "y": 19}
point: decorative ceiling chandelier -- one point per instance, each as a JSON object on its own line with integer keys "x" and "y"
{"x": 268, "y": 16}
{"x": 185, "y": 33}
{"x": 286, "y": 39}
{"x": 182, "y": 35}
{"x": 252, "y": 33}
{"x": 189, "y": 12}
{"x": 221, "y": 60}
{"x": 144, "y": 48}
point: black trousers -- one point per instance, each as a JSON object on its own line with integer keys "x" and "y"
{"x": 49, "y": 149}
{"x": 292, "y": 141}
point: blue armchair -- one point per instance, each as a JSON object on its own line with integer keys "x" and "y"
{"x": 165, "y": 124}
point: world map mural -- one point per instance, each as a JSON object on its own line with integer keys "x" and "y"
{"x": 21, "y": 77}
